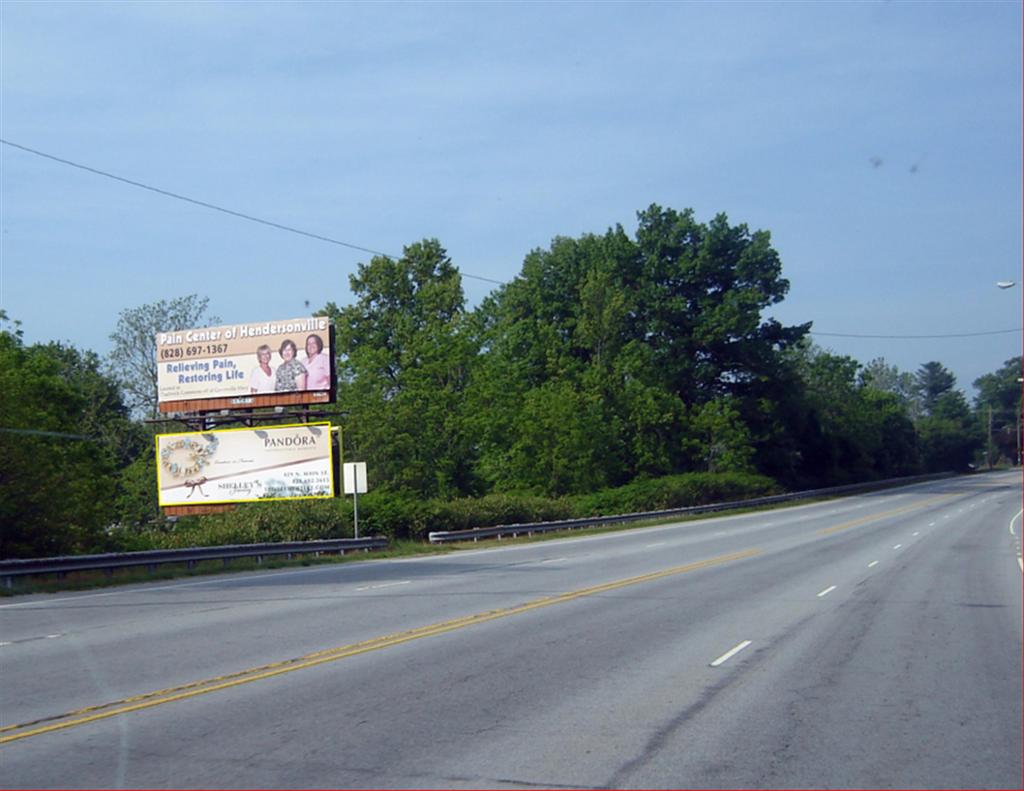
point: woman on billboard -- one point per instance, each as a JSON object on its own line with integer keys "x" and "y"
{"x": 262, "y": 379}
{"x": 318, "y": 366}
{"x": 291, "y": 374}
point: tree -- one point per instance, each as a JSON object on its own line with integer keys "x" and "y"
{"x": 848, "y": 429}
{"x": 648, "y": 330}
{"x": 702, "y": 289}
{"x": 879, "y": 375}
{"x": 998, "y": 407}
{"x": 949, "y": 435}
{"x": 720, "y": 438}
{"x": 932, "y": 381}
{"x": 132, "y": 362}
{"x": 57, "y": 458}
{"x": 405, "y": 354}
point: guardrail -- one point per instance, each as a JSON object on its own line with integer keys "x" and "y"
{"x": 9, "y": 569}
{"x": 528, "y": 529}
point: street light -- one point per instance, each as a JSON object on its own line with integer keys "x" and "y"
{"x": 1003, "y": 284}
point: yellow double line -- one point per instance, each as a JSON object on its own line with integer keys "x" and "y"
{"x": 884, "y": 515}
{"x": 149, "y": 700}
{"x": 11, "y": 733}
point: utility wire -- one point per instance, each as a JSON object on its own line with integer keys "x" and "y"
{"x": 309, "y": 234}
{"x": 215, "y": 207}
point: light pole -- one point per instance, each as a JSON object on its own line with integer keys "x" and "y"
{"x": 1005, "y": 284}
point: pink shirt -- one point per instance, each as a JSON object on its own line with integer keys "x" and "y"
{"x": 318, "y": 369}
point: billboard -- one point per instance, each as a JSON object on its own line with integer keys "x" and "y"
{"x": 240, "y": 366}
{"x": 245, "y": 464}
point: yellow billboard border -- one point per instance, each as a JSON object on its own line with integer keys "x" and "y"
{"x": 330, "y": 456}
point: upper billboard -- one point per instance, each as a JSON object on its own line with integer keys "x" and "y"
{"x": 240, "y": 366}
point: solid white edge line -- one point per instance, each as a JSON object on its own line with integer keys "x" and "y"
{"x": 1021, "y": 511}
{"x": 827, "y": 591}
{"x": 1020, "y": 560}
{"x": 730, "y": 653}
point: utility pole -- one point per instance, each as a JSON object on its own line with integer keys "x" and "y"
{"x": 988, "y": 453}
{"x": 1018, "y": 438}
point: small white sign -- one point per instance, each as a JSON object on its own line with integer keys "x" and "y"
{"x": 354, "y": 474}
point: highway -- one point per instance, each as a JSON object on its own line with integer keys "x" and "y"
{"x": 872, "y": 641}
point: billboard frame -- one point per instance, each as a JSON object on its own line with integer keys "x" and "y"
{"x": 259, "y": 400}
{"x": 184, "y": 509}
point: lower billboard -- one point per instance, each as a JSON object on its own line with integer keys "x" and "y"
{"x": 245, "y": 464}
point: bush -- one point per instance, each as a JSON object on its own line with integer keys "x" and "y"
{"x": 397, "y": 516}
{"x": 255, "y": 523}
{"x": 400, "y": 516}
{"x": 674, "y": 491}
{"x": 498, "y": 509}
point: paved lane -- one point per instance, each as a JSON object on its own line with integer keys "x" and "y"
{"x": 873, "y": 641}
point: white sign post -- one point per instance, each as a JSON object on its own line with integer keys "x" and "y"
{"x": 354, "y": 474}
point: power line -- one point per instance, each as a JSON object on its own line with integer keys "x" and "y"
{"x": 330, "y": 240}
{"x": 215, "y": 207}
{"x": 917, "y": 337}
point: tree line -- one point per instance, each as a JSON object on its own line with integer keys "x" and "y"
{"x": 608, "y": 360}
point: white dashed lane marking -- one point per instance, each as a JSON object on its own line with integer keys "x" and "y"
{"x": 383, "y": 585}
{"x": 730, "y": 653}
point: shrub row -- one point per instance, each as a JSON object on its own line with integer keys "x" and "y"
{"x": 400, "y": 516}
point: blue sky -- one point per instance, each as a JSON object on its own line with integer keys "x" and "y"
{"x": 879, "y": 143}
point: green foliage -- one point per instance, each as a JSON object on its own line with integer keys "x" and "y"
{"x": 674, "y": 491}
{"x": 615, "y": 373}
{"x": 400, "y": 516}
{"x": 132, "y": 361}
{"x": 1001, "y": 389}
{"x": 998, "y": 408}
{"x": 933, "y": 380}
{"x": 847, "y": 429}
{"x": 947, "y": 445}
{"x": 254, "y": 523}
{"x": 719, "y": 437}
{"x": 602, "y": 357}
{"x": 56, "y": 480}
{"x": 499, "y": 509}
{"x": 136, "y": 503}
{"x": 879, "y": 375}
{"x": 397, "y": 516}
{"x": 405, "y": 352}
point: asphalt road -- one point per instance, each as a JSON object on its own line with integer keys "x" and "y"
{"x": 873, "y": 641}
